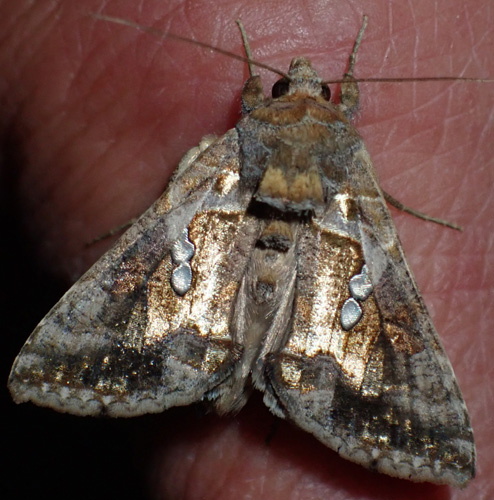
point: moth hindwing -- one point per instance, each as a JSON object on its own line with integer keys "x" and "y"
{"x": 270, "y": 262}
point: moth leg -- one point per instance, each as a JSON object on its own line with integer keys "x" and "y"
{"x": 398, "y": 205}
{"x": 252, "y": 93}
{"x": 112, "y": 232}
{"x": 245, "y": 41}
{"x": 349, "y": 91}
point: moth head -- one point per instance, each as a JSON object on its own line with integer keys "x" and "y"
{"x": 302, "y": 79}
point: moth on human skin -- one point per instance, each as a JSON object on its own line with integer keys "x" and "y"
{"x": 270, "y": 262}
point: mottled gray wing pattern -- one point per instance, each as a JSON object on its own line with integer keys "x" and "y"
{"x": 122, "y": 341}
{"x": 383, "y": 392}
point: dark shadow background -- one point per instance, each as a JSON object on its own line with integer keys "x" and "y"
{"x": 48, "y": 454}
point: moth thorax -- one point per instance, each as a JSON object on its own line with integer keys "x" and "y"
{"x": 291, "y": 181}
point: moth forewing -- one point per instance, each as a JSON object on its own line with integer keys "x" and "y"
{"x": 271, "y": 261}
{"x": 381, "y": 392}
{"x": 122, "y": 341}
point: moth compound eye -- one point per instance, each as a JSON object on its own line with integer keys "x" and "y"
{"x": 325, "y": 92}
{"x": 280, "y": 88}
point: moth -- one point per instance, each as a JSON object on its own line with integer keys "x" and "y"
{"x": 270, "y": 262}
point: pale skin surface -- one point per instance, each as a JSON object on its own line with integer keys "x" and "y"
{"x": 100, "y": 115}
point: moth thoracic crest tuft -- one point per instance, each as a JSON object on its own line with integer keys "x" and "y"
{"x": 270, "y": 261}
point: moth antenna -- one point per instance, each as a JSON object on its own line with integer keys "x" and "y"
{"x": 162, "y": 34}
{"x": 416, "y": 79}
{"x": 353, "y": 59}
{"x": 252, "y": 62}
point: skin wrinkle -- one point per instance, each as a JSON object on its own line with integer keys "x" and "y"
{"x": 216, "y": 488}
{"x": 37, "y": 48}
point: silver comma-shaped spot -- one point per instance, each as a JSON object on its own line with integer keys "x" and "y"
{"x": 360, "y": 288}
{"x": 351, "y": 312}
{"x": 182, "y": 252}
{"x": 360, "y": 285}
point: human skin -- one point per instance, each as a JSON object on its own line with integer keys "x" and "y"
{"x": 98, "y": 116}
